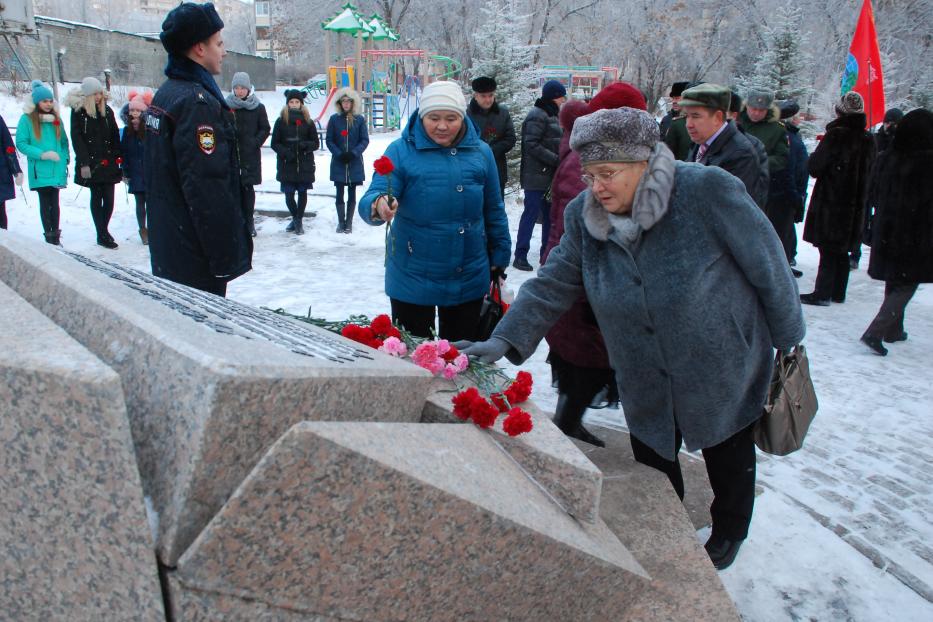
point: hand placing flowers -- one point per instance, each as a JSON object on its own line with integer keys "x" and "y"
{"x": 482, "y": 404}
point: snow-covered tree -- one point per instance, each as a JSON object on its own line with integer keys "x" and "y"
{"x": 783, "y": 65}
{"x": 500, "y": 53}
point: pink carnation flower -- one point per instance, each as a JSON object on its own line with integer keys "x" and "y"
{"x": 394, "y": 347}
{"x": 425, "y": 356}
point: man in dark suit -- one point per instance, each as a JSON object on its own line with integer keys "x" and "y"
{"x": 717, "y": 141}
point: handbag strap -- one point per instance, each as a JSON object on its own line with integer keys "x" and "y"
{"x": 495, "y": 290}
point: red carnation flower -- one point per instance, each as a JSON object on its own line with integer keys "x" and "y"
{"x": 384, "y": 165}
{"x": 381, "y": 324}
{"x": 298, "y": 122}
{"x": 451, "y": 354}
{"x": 344, "y": 132}
{"x": 483, "y": 413}
{"x": 517, "y": 422}
{"x": 56, "y": 121}
{"x": 360, "y": 334}
{"x": 463, "y": 402}
{"x": 104, "y": 162}
{"x": 10, "y": 150}
{"x": 119, "y": 161}
{"x": 517, "y": 393}
{"x": 524, "y": 378}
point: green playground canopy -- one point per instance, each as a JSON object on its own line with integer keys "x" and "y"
{"x": 348, "y": 21}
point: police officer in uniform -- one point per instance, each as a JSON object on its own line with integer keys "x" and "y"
{"x": 197, "y": 233}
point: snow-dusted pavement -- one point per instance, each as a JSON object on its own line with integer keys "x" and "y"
{"x": 843, "y": 529}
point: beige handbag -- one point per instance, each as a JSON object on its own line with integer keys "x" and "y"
{"x": 790, "y": 407}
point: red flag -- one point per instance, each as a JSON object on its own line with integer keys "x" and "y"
{"x": 863, "y": 66}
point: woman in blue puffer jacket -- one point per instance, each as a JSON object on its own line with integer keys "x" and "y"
{"x": 449, "y": 232}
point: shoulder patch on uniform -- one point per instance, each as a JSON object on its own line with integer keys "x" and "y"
{"x": 206, "y": 140}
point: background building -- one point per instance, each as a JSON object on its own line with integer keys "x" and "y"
{"x": 145, "y": 16}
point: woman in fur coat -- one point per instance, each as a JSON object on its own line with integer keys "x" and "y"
{"x": 96, "y": 141}
{"x": 901, "y": 194}
{"x": 840, "y": 165}
{"x": 42, "y": 139}
{"x": 294, "y": 140}
{"x": 347, "y": 139}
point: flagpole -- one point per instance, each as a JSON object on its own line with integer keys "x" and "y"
{"x": 870, "y": 117}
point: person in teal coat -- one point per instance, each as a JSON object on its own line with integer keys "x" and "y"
{"x": 449, "y": 232}
{"x": 42, "y": 139}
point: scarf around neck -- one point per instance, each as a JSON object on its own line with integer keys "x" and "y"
{"x": 183, "y": 68}
{"x": 648, "y": 207}
{"x": 250, "y": 103}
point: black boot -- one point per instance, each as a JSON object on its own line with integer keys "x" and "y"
{"x": 300, "y": 213}
{"x": 54, "y": 237}
{"x": 341, "y": 217}
{"x": 251, "y": 225}
{"x": 569, "y": 417}
{"x": 348, "y": 225}
{"x": 722, "y": 551}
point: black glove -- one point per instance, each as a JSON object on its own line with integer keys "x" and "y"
{"x": 496, "y": 273}
{"x": 346, "y": 157}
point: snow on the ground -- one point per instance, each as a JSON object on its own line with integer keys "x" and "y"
{"x": 843, "y": 529}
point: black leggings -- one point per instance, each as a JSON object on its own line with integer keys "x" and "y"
{"x": 456, "y": 322}
{"x": 140, "y": 209}
{"x": 102, "y": 208}
{"x": 49, "y": 211}
{"x": 297, "y": 210}
{"x": 351, "y": 193}
{"x": 2, "y": 214}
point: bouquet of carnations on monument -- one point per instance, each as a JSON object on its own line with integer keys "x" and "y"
{"x": 483, "y": 390}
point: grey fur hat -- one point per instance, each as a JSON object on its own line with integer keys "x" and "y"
{"x": 91, "y": 86}
{"x": 241, "y": 78}
{"x": 615, "y": 135}
{"x": 759, "y": 98}
{"x": 850, "y": 103}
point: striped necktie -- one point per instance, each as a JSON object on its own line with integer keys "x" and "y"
{"x": 701, "y": 152}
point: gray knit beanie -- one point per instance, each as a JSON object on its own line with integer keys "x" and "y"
{"x": 615, "y": 135}
{"x": 241, "y": 78}
{"x": 91, "y": 86}
{"x": 850, "y": 103}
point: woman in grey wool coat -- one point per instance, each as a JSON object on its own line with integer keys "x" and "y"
{"x": 691, "y": 290}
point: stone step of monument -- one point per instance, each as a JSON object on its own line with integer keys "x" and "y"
{"x": 395, "y": 521}
{"x": 210, "y": 384}
{"x": 74, "y": 541}
{"x": 546, "y": 454}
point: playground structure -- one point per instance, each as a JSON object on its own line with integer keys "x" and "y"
{"x": 389, "y": 80}
{"x": 581, "y": 81}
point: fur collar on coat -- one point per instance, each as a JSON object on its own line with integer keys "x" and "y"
{"x": 651, "y": 197}
{"x": 76, "y": 100}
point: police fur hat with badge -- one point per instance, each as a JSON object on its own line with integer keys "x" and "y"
{"x": 187, "y": 25}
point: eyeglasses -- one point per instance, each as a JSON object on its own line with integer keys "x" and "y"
{"x": 603, "y": 177}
